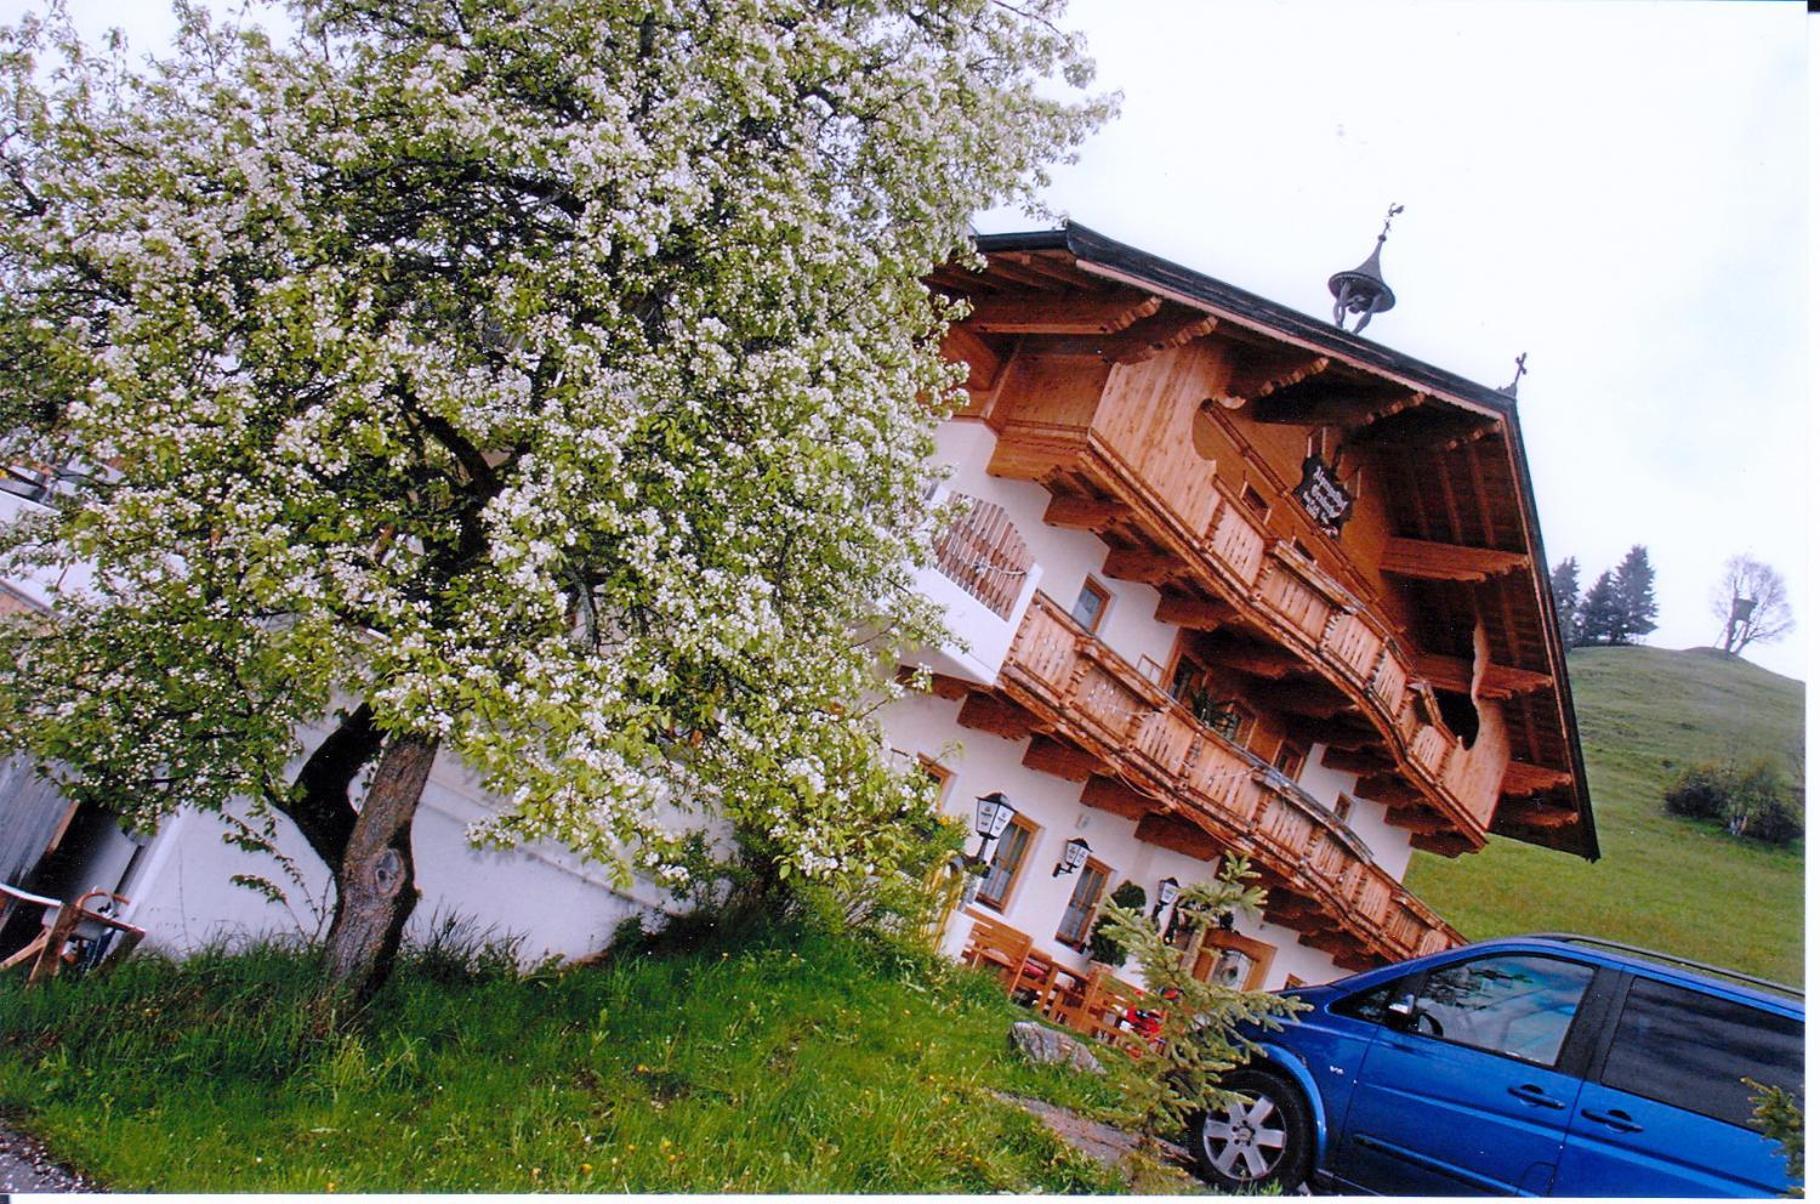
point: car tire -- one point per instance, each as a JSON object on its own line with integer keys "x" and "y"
{"x": 1265, "y": 1138}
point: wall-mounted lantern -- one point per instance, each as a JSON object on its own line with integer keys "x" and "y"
{"x": 1166, "y": 891}
{"x": 991, "y": 813}
{"x": 1074, "y": 855}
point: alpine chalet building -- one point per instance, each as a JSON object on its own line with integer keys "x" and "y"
{"x": 1226, "y": 579}
{"x": 1230, "y": 579}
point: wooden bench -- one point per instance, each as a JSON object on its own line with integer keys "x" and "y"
{"x": 70, "y": 932}
{"x": 998, "y": 946}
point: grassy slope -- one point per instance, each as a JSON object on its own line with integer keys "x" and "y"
{"x": 1666, "y": 883}
{"x": 789, "y": 1062}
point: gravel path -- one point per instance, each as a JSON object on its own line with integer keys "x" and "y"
{"x": 25, "y": 1167}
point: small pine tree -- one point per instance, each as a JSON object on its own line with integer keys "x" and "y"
{"x": 1635, "y": 583}
{"x": 1177, "y": 1072}
{"x": 1564, "y": 583}
{"x": 1601, "y": 617}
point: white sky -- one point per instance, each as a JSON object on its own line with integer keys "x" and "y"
{"x": 1617, "y": 187}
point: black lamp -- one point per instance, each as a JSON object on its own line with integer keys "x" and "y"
{"x": 1166, "y": 891}
{"x": 991, "y": 813}
{"x": 1074, "y": 855}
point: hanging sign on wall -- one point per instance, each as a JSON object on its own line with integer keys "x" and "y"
{"x": 1327, "y": 501}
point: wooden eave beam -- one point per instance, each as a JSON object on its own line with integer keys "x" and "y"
{"x": 1180, "y": 609}
{"x": 1143, "y": 339}
{"x": 1390, "y": 409}
{"x": 1157, "y": 334}
{"x": 1427, "y": 560}
{"x": 1299, "y": 699}
{"x": 1258, "y": 660}
{"x": 1544, "y": 817}
{"x": 987, "y": 713}
{"x": 1253, "y": 382}
{"x": 1062, "y": 760}
{"x": 1178, "y": 835}
{"x": 940, "y": 684}
{"x": 1387, "y": 788}
{"x": 1443, "y": 844}
{"x": 1043, "y": 314}
{"x": 1500, "y": 681}
{"x": 983, "y": 363}
{"x": 1143, "y": 565}
{"x": 1110, "y": 794}
{"x": 1522, "y": 779}
{"x": 1084, "y": 513}
{"x": 1418, "y": 819}
{"x": 1356, "y": 760}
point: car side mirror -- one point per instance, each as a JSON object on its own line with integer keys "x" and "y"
{"x": 1400, "y": 1013}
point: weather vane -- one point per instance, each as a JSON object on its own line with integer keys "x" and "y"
{"x": 1362, "y": 291}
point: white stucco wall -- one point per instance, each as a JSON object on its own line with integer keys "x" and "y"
{"x": 184, "y": 895}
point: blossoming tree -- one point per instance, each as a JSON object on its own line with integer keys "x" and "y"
{"x": 545, "y": 381}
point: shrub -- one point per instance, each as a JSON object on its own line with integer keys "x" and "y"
{"x": 1751, "y": 801}
{"x": 1104, "y": 944}
{"x": 1698, "y": 792}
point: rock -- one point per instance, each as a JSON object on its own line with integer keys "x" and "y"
{"x": 1050, "y": 1047}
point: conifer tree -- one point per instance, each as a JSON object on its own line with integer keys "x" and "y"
{"x": 1564, "y": 583}
{"x": 1600, "y": 616}
{"x": 1635, "y": 583}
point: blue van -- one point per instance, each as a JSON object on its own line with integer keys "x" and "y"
{"x": 1541, "y": 1065}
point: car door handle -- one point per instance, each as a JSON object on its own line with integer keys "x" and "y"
{"x": 1529, "y": 1093}
{"x": 1615, "y": 1119}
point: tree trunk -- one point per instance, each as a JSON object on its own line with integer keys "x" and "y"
{"x": 376, "y": 888}
{"x": 319, "y": 805}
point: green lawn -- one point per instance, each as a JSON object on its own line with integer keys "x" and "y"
{"x": 1668, "y": 883}
{"x": 785, "y": 1060}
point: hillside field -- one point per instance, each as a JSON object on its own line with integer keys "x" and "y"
{"x": 1667, "y": 883}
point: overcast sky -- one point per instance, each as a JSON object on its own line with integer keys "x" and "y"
{"x": 1617, "y": 188}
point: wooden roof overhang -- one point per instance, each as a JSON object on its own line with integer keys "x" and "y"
{"x": 1467, "y": 544}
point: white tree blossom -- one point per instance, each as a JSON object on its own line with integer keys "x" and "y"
{"x": 553, "y": 378}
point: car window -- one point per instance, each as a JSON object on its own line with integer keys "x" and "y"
{"x": 1519, "y": 1005}
{"x": 1692, "y": 1050}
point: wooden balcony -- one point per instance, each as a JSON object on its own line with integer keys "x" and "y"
{"x": 1199, "y": 539}
{"x": 1192, "y": 790}
{"x": 982, "y": 552}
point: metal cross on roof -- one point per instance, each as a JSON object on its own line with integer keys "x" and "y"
{"x": 1510, "y": 390}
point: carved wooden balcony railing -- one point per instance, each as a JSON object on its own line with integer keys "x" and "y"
{"x": 1222, "y": 546}
{"x": 1084, "y": 693}
{"x": 982, "y": 552}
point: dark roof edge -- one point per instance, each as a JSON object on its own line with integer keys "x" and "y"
{"x": 1557, "y": 652}
{"x": 1096, "y": 248}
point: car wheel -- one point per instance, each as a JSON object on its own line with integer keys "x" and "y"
{"x": 1265, "y": 1136}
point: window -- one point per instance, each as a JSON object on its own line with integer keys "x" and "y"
{"x": 1082, "y": 904}
{"x": 1290, "y": 759}
{"x": 937, "y": 774}
{"x": 1231, "y": 960}
{"x": 1007, "y": 858}
{"x": 1690, "y": 1050}
{"x": 1342, "y": 808}
{"x": 1227, "y": 717}
{"x": 1254, "y": 501}
{"x": 1518, "y": 1005}
{"x": 1090, "y": 607}
{"x": 1150, "y": 670}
